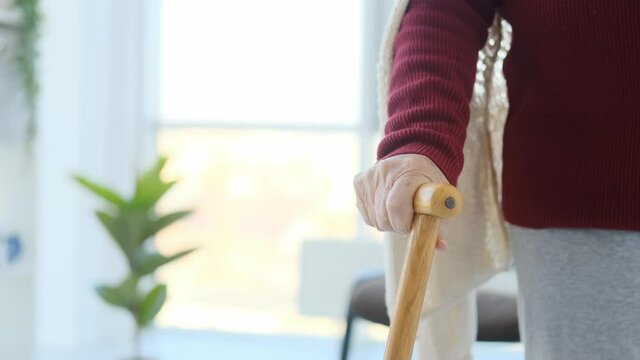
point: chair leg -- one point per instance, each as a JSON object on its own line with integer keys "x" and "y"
{"x": 346, "y": 341}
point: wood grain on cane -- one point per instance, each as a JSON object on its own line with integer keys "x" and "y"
{"x": 432, "y": 202}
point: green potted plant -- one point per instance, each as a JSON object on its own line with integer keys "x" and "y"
{"x": 25, "y": 57}
{"x": 132, "y": 224}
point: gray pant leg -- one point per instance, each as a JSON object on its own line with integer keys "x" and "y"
{"x": 579, "y": 292}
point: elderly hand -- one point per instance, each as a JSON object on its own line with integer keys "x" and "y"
{"x": 385, "y": 192}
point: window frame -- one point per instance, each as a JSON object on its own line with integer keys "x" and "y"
{"x": 374, "y": 14}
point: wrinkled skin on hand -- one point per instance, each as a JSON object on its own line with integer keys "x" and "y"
{"x": 384, "y": 192}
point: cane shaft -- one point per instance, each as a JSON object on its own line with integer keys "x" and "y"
{"x": 413, "y": 284}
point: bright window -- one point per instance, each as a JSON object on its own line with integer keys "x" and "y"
{"x": 261, "y": 62}
{"x": 261, "y": 111}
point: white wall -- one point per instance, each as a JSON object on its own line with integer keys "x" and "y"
{"x": 17, "y": 202}
{"x": 91, "y": 122}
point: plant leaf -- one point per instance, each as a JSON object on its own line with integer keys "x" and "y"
{"x": 129, "y": 289}
{"x": 127, "y": 228}
{"x": 112, "y": 227}
{"x": 151, "y": 305}
{"x": 150, "y": 187}
{"x": 164, "y": 221}
{"x": 150, "y": 262}
{"x": 102, "y": 191}
{"x": 111, "y": 295}
{"x": 124, "y": 295}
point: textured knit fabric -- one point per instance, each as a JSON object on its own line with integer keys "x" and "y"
{"x": 572, "y": 139}
{"x": 579, "y": 292}
{"x": 477, "y": 237}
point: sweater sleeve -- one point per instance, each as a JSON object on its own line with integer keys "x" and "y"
{"x": 432, "y": 76}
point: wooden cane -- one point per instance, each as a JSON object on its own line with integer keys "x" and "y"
{"x": 431, "y": 203}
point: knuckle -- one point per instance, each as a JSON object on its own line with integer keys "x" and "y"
{"x": 395, "y": 203}
{"x": 401, "y": 223}
{"x": 405, "y": 226}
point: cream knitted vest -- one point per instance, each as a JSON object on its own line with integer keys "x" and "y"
{"x": 479, "y": 247}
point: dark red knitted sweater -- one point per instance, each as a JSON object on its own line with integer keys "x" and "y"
{"x": 572, "y": 138}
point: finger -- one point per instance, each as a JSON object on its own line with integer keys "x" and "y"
{"x": 399, "y": 202}
{"x": 381, "y": 213}
{"x": 361, "y": 203}
{"x": 441, "y": 245}
{"x": 363, "y": 213}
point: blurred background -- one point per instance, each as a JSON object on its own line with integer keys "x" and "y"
{"x": 265, "y": 111}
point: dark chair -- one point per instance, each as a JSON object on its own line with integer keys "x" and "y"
{"x": 497, "y": 312}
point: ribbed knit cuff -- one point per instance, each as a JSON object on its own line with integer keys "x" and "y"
{"x": 450, "y": 169}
